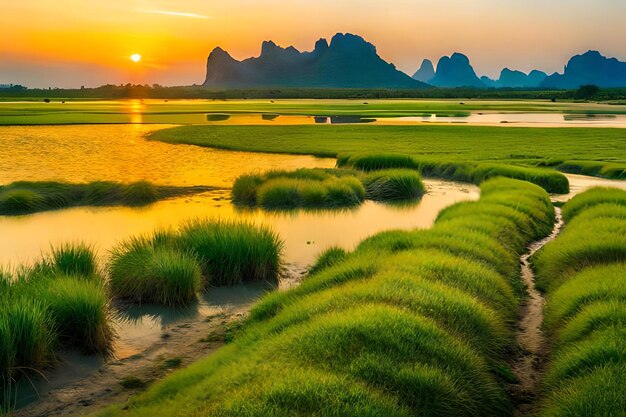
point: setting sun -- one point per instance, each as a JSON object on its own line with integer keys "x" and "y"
{"x": 135, "y": 57}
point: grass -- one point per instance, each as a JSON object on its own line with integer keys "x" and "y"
{"x": 59, "y": 302}
{"x": 583, "y": 273}
{"x": 232, "y": 253}
{"x": 311, "y": 188}
{"x": 319, "y": 188}
{"x": 143, "y": 271}
{"x": 435, "y": 145}
{"x": 172, "y": 267}
{"x": 410, "y": 323}
{"x": 462, "y": 171}
{"x": 327, "y": 258}
{"x": 394, "y": 185}
{"x": 30, "y": 197}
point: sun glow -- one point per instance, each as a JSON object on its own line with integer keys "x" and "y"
{"x": 135, "y": 57}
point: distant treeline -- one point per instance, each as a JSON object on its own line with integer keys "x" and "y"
{"x": 191, "y": 92}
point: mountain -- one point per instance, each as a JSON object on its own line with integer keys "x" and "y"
{"x": 589, "y": 68}
{"x": 426, "y": 71}
{"x": 347, "y": 62}
{"x": 516, "y": 79}
{"x": 455, "y": 71}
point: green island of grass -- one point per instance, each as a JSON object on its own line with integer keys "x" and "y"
{"x": 25, "y": 197}
{"x": 410, "y": 323}
{"x": 319, "y": 188}
{"x": 583, "y": 274}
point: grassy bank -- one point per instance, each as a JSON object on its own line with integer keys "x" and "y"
{"x": 583, "y": 273}
{"x": 171, "y": 267}
{"x": 30, "y": 197}
{"x": 410, "y": 323}
{"x": 59, "y": 302}
{"x": 551, "y": 181}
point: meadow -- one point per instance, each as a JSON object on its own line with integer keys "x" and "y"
{"x": 597, "y": 152}
{"x": 26, "y": 197}
{"x": 583, "y": 274}
{"x": 411, "y": 322}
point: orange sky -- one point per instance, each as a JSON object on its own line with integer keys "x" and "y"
{"x": 79, "y": 42}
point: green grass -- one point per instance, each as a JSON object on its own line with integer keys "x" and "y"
{"x": 394, "y": 185}
{"x": 434, "y": 146}
{"x": 326, "y": 188}
{"x": 31, "y": 197}
{"x": 60, "y": 302}
{"x": 410, "y": 323}
{"x": 143, "y": 271}
{"x": 550, "y": 180}
{"x": 232, "y": 253}
{"x": 593, "y": 197}
{"x": 309, "y": 188}
{"x": 172, "y": 267}
{"x": 327, "y": 258}
{"x": 583, "y": 273}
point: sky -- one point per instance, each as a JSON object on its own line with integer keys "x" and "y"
{"x": 69, "y": 43}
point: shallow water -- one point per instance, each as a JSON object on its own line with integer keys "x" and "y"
{"x": 470, "y": 118}
{"x": 85, "y": 153}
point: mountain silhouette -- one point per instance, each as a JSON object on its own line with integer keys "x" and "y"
{"x": 516, "y": 79}
{"x": 589, "y": 68}
{"x": 426, "y": 71}
{"x": 347, "y": 62}
{"x": 455, "y": 71}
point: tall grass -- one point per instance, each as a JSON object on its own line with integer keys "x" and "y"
{"x": 584, "y": 275}
{"x": 31, "y": 197}
{"x": 145, "y": 270}
{"x": 393, "y": 185}
{"x": 171, "y": 267}
{"x": 410, "y": 323}
{"x": 550, "y": 180}
{"x": 232, "y": 253}
{"x": 59, "y": 302}
{"x": 313, "y": 188}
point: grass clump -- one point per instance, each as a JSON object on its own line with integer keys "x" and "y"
{"x": 314, "y": 188}
{"x": 394, "y": 185}
{"x": 142, "y": 270}
{"x": 172, "y": 267}
{"x": 410, "y": 323}
{"x": 59, "y": 302}
{"x": 30, "y": 197}
{"x": 583, "y": 273}
{"x": 232, "y": 253}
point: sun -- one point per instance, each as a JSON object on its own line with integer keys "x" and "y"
{"x": 135, "y": 57}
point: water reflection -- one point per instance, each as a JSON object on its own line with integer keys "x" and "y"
{"x": 521, "y": 119}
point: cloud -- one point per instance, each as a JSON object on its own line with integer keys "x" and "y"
{"x": 178, "y": 14}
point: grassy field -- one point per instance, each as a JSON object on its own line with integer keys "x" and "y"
{"x": 410, "y": 323}
{"x": 584, "y": 275}
{"x": 30, "y": 197}
{"x": 600, "y": 152}
{"x": 179, "y": 111}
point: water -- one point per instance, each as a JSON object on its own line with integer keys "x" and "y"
{"x": 471, "y": 118}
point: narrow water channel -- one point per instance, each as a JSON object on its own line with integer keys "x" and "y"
{"x": 528, "y": 365}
